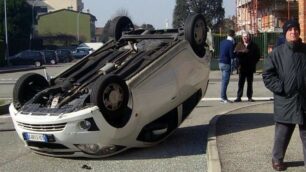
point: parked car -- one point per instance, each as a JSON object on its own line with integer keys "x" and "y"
{"x": 81, "y": 52}
{"x": 132, "y": 92}
{"x": 27, "y": 57}
{"x": 64, "y": 55}
{"x": 93, "y": 45}
{"x": 50, "y": 56}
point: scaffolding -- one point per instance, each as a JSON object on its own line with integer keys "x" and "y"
{"x": 264, "y": 15}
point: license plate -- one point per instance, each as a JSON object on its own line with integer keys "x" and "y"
{"x": 35, "y": 137}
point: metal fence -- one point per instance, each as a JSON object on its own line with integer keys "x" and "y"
{"x": 263, "y": 40}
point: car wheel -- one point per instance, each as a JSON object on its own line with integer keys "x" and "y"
{"x": 37, "y": 63}
{"x": 26, "y": 87}
{"x": 53, "y": 62}
{"x": 196, "y": 33}
{"x": 119, "y": 25}
{"x": 111, "y": 95}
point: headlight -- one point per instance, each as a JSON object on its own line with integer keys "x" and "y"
{"x": 88, "y": 124}
{"x": 85, "y": 125}
{"x": 89, "y": 148}
{"x": 96, "y": 149}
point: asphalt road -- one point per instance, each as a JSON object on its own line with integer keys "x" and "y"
{"x": 7, "y": 80}
{"x": 184, "y": 150}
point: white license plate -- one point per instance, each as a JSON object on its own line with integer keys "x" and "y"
{"x": 35, "y": 137}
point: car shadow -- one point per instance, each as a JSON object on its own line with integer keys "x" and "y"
{"x": 242, "y": 122}
{"x": 184, "y": 141}
{"x": 189, "y": 141}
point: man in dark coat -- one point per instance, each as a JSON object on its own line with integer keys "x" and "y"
{"x": 248, "y": 55}
{"x": 285, "y": 75}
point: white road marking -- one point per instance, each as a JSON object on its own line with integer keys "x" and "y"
{"x": 203, "y": 99}
{"x": 4, "y": 116}
{"x": 233, "y": 98}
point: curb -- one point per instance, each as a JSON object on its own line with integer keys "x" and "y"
{"x": 4, "y": 109}
{"x": 213, "y": 159}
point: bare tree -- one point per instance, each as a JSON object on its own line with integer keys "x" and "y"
{"x": 122, "y": 12}
{"x": 211, "y": 9}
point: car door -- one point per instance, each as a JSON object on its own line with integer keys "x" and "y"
{"x": 25, "y": 58}
{"x": 155, "y": 90}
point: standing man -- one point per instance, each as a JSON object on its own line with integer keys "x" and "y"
{"x": 248, "y": 55}
{"x": 226, "y": 56}
{"x": 285, "y": 75}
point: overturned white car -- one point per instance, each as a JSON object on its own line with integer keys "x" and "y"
{"x": 132, "y": 92}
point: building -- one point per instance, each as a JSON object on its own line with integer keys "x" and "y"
{"x": 99, "y": 33}
{"x": 66, "y": 23}
{"x": 44, "y": 6}
{"x": 56, "y": 20}
{"x": 270, "y": 15}
{"x": 265, "y": 15}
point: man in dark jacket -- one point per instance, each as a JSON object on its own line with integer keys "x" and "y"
{"x": 226, "y": 56}
{"x": 285, "y": 75}
{"x": 248, "y": 55}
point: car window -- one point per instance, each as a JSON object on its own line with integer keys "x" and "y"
{"x": 33, "y": 54}
{"x": 65, "y": 52}
{"x": 26, "y": 54}
{"x": 49, "y": 53}
{"x": 19, "y": 54}
{"x": 36, "y": 54}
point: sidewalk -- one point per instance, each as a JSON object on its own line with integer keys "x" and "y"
{"x": 244, "y": 140}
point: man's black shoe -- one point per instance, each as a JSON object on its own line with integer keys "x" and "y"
{"x": 251, "y": 100}
{"x": 278, "y": 166}
{"x": 237, "y": 100}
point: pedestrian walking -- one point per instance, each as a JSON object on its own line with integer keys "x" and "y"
{"x": 285, "y": 75}
{"x": 248, "y": 55}
{"x": 226, "y": 56}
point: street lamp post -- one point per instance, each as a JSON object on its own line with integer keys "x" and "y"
{"x": 6, "y": 37}
{"x": 288, "y": 9}
{"x": 32, "y": 26}
{"x": 78, "y": 26}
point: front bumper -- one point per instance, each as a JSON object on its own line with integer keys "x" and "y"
{"x": 84, "y": 133}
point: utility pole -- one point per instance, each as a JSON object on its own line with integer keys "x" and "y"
{"x": 32, "y": 26}
{"x": 288, "y": 10}
{"x": 78, "y": 26}
{"x": 6, "y": 37}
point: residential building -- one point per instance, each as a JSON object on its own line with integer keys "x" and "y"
{"x": 66, "y": 23}
{"x": 302, "y": 18}
{"x": 265, "y": 15}
{"x": 44, "y": 6}
{"x": 99, "y": 32}
{"x": 270, "y": 15}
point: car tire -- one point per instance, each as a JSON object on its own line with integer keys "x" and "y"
{"x": 120, "y": 24}
{"x": 196, "y": 32}
{"x": 53, "y": 62}
{"x": 37, "y": 63}
{"x": 26, "y": 87}
{"x": 110, "y": 93}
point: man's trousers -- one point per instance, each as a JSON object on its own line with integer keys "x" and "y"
{"x": 242, "y": 77}
{"x": 283, "y": 133}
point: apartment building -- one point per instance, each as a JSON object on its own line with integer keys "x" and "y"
{"x": 44, "y": 6}
{"x": 76, "y": 25}
{"x": 270, "y": 15}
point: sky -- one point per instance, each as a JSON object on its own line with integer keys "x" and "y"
{"x": 155, "y": 12}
